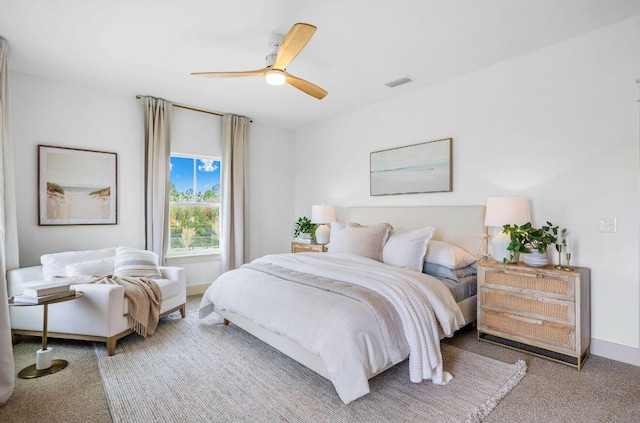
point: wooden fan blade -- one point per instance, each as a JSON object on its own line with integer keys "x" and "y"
{"x": 257, "y": 72}
{"x": 295, "y": 40}
{"x": 306, "y": 87}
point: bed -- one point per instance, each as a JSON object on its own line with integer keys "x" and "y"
{"x": 348, "y": 316}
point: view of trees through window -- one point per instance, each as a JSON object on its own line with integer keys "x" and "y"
{"x": 194, "y": 204}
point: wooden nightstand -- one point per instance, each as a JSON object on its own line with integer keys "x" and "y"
{"x": 301, "y": 247}
{"x": 542, "y": 311}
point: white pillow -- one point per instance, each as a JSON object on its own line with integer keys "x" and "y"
{"x": 54, "y": 264}
{"x": 136, "y": 263}
{"x": 448, "y": 255}
{"x": 336, "y": 237}
{"x": 100, "y": 267}
{"x": 366, "y": 241}
{"x": 407, "y": 249}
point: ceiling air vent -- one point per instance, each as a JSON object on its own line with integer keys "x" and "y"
{"x": 403, "y": 80}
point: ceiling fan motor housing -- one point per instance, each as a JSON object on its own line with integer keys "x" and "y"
{"x": 274, "y": 41}
{"x": 271, "y": 58}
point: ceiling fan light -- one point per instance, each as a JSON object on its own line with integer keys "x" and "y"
{"x": 275, "y": 77}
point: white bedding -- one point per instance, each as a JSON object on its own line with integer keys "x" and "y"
{"x": 341, "y": 330}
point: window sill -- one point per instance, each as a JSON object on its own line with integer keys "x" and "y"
{"x": 193, "y": 257}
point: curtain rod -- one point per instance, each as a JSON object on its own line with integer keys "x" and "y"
{"x": 195, "y": 110}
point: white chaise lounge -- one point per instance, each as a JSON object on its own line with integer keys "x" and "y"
{"x": 100, "y": 314}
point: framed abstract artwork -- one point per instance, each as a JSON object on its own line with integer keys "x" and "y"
{"x": 417, "y": 168}
{"x": 76, "y": 187}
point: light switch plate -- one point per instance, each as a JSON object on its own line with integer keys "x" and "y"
{"x": 608, "y": 224}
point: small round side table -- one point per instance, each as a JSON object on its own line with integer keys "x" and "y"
{"x": 44, "y": 355}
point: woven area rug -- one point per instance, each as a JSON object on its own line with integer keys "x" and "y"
{"x": 195, "y": 370}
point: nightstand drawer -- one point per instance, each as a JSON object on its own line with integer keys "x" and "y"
{"x": 538, "y": 332}
{"x": 561, "y": 311}
{"x": 548, "y": 284}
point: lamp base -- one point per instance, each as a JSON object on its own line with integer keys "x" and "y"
{"x": 322, "y": 234}
{"x": 499, "y": 243}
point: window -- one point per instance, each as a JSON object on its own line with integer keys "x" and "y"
{"x": 194, "y": 204}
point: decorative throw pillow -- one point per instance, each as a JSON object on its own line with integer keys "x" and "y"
{"x": 54, "y": 264}
{"x": 407, "y": 249}
{"x": 136, "y": 263}
{"x": 366, "y": 241}
{"x": 448, "y": 255}
{"x": 100, "y": 267}
{"x": 336, "y": 237}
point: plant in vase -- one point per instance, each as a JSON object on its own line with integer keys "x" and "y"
{"x": 304, "y": 229}
{"x": 531, "y": 242}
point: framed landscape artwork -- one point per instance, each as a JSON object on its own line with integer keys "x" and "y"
{"x": 76, "y": 187}
{"x": 417, "y": 168}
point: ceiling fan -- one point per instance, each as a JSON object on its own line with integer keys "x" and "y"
{"x": 284, "y": 51}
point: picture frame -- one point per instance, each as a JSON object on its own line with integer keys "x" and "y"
{"x": 76, "y": 186}
{"x": 418, "y": 168}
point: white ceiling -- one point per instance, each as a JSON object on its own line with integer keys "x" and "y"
{"x": 150, "y": 47}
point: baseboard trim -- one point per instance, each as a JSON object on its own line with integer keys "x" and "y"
{"x": 197, "y": 289}
{"x": 623, "y": 353}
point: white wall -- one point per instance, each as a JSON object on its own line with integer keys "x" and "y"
{"x": 46, "y": 112}
{"x": 271, "y": 188}
{"x": 559, "y": 125}
{"x": 54, "y": 113}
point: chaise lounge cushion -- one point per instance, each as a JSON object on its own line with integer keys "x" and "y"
{"x": 55, "y": 264}
{"x": 99, "y": 267}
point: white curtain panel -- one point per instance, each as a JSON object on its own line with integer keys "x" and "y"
{"x": 8, "y": 227}
{"x": 157, "y": 152}
{"x": 234, "y": 205}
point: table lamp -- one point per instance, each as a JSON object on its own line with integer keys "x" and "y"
{"x": 321, "y": 215}
{"x": 505, "y": 211}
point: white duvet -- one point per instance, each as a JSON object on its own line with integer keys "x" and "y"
{"x": 341, "y": 330}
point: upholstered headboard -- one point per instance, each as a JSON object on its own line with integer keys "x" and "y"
{"x": 459, "y": 225}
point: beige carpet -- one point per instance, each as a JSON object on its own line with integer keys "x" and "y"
{"x": 193, "y": 370}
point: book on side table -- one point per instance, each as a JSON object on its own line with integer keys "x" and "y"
{"x": 30, "y": 299}
{"x": 305, "y": 240}
{"x": 46, "y": 289}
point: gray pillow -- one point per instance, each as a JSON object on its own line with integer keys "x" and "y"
{"x": 456, "y": 275}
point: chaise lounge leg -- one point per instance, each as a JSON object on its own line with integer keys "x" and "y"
{"x": 183, "y": 310}
{"x": 111, "y": 346}
{"x": 15, "y": 338}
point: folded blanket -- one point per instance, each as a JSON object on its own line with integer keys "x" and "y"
{"x": 145, "y": 298}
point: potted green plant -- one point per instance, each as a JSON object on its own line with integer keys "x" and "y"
{"x": 532, "y": 242}
{"x": 304, "y": 228}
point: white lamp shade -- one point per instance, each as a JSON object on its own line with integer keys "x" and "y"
{"x": 507, "y": 211}
{"x": 323, "y": 214}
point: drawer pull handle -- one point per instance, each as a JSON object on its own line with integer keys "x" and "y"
{"x": 526, "y": 320}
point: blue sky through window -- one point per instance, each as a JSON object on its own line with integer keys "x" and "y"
{"x": 207, "y": 173}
